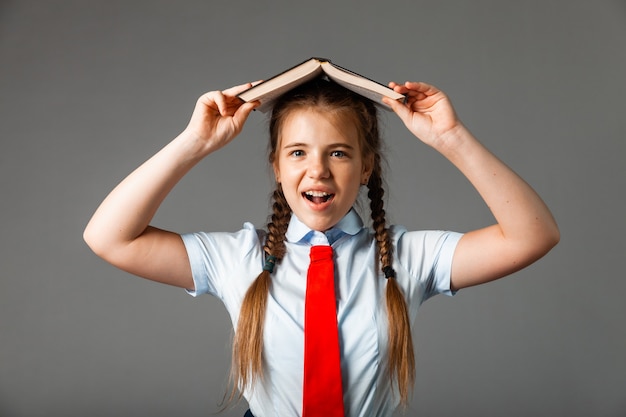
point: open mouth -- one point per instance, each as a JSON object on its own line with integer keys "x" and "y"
{"x": 318, "y": 197}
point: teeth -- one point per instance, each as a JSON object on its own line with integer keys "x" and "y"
{"x": 317, "y": 194}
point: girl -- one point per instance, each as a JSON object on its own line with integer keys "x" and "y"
{"x": 325, "y": 146}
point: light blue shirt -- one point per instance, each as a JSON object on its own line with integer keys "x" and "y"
{"x": 225, "y": 264}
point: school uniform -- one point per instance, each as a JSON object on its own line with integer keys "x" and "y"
{"x": 225, "y": 264}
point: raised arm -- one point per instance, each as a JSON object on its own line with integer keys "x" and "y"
{"x": 525, "y": 229}
{"x": 119, "y": 230}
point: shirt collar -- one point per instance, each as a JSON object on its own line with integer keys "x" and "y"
{"x": 298, "y": 232}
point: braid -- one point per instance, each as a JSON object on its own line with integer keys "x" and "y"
{"x": 375, "y": 195}
{"x": 247, "y": 355}
{"x": 277, "y": 227}
{"x": 401, "y": 357}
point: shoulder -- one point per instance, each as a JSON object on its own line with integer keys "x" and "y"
{"x": 248, "y": 233}
{"x": 425, "y": 256}
{"x": 403, "y": 238}
{"x": 215, "y": 257}
{"x": 243, "y": 241}
{"x": 422, "y": 250}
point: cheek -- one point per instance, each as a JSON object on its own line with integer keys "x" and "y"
{"x": 289, "y": 183}
{"x": 352, "y": 183}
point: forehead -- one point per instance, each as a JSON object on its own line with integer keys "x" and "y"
{"x": 310, "y": 122}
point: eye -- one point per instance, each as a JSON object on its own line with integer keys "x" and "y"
{"x": 296, "y": 153}
{"x": 338, "y": 154}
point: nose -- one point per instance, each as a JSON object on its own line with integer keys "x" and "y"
{"x": 318, "y": 167}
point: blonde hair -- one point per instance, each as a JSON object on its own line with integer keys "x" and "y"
{"x": 247, "y": 366}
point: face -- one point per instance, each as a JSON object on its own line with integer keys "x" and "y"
{"x": 320, "y": 166}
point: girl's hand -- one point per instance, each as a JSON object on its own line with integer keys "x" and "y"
{"x": 427, "y": 113}
{"x": 525, "y": 229}
{"x": 120, "y": 230}
{"x": 219, "y": 116}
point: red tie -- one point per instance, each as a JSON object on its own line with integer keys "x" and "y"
{"x": 323, "y": 395}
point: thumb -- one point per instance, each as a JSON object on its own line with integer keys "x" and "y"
{"x": 401, "y": 109}
{"x": 242, "y": 113}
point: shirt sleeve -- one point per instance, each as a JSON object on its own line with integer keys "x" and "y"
{"x": 427, "y": 258}
{"x": 223, "y": 259}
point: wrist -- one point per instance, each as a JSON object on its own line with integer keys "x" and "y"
{"x": 192, "y": 146}
{"x": 453, "y": 140}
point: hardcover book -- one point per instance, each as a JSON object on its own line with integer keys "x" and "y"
{"x": 269, "y": 90}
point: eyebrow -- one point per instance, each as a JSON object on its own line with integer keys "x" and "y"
{"x": 332, "y": 145}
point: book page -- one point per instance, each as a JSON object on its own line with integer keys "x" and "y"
{"x": 269, "y": 90}
{"x": 360, "y": 84}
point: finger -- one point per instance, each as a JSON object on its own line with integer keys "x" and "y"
{"x": 208, "y": 102}
{"x": 233, "y": 91}
{"x": 238, "y": 89}
{"x": 242, "y": 113}
{"x": 399, "y": 108}
{"x": 398, "y": 88}
{"x": 221, "y": 102}
{"x": 421, "y": 87}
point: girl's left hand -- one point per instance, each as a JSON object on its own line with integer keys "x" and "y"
{"x": 427, "y": 113}
{"x": 525, "y": 229}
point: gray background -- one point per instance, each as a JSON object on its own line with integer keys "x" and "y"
{"x": 90, "y": 89}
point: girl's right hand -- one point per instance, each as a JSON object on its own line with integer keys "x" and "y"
{"x": 120, "y": 230}
{"x": 218, "y": 117}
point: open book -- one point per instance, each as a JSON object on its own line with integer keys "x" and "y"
{"x": 267, "y": 91}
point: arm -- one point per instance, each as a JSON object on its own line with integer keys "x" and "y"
{"x": 525, "y": 229}
{"x": 119, "y": 230}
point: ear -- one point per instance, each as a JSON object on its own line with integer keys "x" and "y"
{"x": 276, "y": 171}
{"x": 368, "y": 166}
